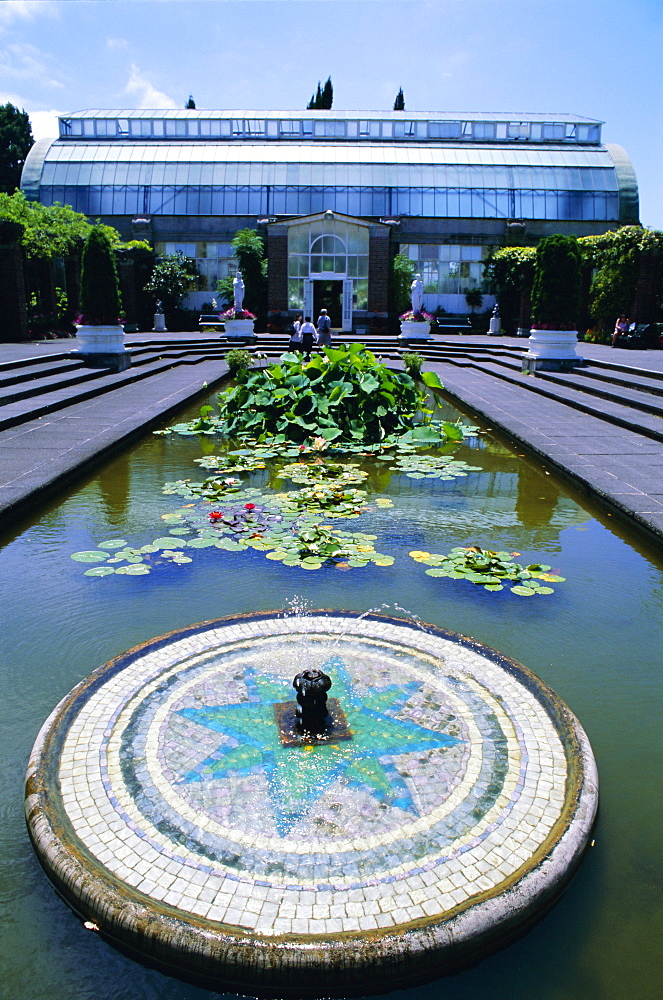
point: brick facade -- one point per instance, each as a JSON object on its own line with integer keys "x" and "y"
{"x": 277, "y": 269}
{"x": 378, "y": 270}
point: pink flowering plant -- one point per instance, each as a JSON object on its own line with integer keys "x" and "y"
{"x": 417, "y": 317}
{"x": 233, "y": 313}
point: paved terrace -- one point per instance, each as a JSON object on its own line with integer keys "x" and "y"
{"x": 601, "y": 426}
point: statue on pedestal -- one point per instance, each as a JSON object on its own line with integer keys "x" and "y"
{"x": 238, "y": 290}
{"x": 417, "y": 294}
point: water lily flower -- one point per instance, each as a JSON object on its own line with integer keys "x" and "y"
{"x": 215, "y": 515}
{"x": 249, "y": 506}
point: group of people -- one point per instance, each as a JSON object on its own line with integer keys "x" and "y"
{"x": 305, "y": 335}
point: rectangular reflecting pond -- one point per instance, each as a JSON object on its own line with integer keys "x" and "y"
{"x": 596, "y": 640}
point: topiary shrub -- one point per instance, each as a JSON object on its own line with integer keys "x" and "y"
{"x": 100, "y": 289}
{"x": 557, "y": 283}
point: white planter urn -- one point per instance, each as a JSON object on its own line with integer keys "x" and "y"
{"x": 239, "y": 329}
{"x": 558, "y": 345}
{"x": 552, "y": 350}
{"x": 103, "y": 346}
{"x": 413, "y": 330}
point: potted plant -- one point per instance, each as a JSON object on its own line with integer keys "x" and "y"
{"x": 555, "y": 305}
{"x": 99, "y": 331}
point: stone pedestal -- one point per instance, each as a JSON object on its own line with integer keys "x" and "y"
{"x": 552, "y": 350}
{"x": 102, "y": 347}
{"x": 159, "y": 323}
{"x": 413, "y": 331}
{"x": 240, "y": 330}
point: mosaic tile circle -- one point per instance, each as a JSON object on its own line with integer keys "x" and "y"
{"x": 162, "y": 785}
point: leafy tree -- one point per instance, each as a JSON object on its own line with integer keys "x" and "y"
{"x": 100, "y": 290}
{"x": 628, "y": 274}
{"x": 49, "y": 230}
{"x": 556, "y": 287}
{"x": 16, "y": 140}
{"x": 402, "y": 273}
{"x": 323, "y": 97}
{"x": 474, "y": 298}
{"x": 172, "y": 278}
{"x": 399, "y": 103}
{"x": 190, "y": 104}
{"x": 511, "y": 270}
{"x": 249, "y": 251}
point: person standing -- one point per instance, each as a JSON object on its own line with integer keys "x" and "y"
{"x": 308, "y": 336}
{"x": 324, "y": 329}
{"x": 296, "y": 335}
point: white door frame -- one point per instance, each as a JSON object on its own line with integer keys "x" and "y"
{"x": 308, "y": 297}
{"x": 347, "y": 304}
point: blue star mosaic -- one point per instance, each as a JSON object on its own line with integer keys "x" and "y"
{"x": 297, "y": 776}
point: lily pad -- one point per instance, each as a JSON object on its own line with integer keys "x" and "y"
{"x": 138, "y": 570}
{"x": 523, "y": 591}
{"x": 99, "y": 571}
{"x": 90, "y": 555}
{"x": 118, "y": 543}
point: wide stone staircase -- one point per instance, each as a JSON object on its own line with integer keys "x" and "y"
{"x": 614, "y": 391}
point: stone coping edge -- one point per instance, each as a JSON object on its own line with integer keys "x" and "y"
{"x": 217, "y": 956}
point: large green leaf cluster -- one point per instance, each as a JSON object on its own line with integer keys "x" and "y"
{"x": 557, "y": 279}
{"x": 343, "y": 394}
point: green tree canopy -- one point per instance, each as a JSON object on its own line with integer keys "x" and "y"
{"x": 15, "y": 143}
{"x": 49, "y": 230}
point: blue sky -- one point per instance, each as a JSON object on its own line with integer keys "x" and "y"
{"x": 595, "y": 58}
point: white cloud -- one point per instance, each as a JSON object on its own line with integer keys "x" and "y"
{"x": 44, "y": 123}
{"x": 117, "y": 44}
{"x": 22, "y": 61}
{"x": 12, "y": 11}
{"x": 146, "y": 95}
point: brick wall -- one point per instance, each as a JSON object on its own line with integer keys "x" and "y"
{"x": 277, "y": 269}
{"x": 378, "y": 271}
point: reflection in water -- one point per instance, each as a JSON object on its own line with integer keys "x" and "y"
{"x": 114, "y": 483}
{"x": 537, "y": 497}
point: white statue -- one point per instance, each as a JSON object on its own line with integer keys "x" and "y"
{"x": 238, "y": 291}
{"x": 417, "y": 294}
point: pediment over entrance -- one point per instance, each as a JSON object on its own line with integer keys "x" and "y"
{"x": 328, "y": 216}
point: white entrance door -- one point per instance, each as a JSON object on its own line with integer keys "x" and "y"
{"x": 308, "y": 297}
{"x": 347, "y": 305}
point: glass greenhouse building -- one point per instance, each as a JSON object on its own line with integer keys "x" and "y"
{"x": 337, "y": 193}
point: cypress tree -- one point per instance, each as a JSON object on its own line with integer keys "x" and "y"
{"x": 190, "y": 104}
{"x": 100, "y": 290}
{"x": 327, "y": 95}
{"x": 399, "y": 103}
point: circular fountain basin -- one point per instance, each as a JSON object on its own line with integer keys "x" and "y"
{"x": 169, "y": 810}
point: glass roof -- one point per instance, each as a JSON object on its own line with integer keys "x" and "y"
{"x": 491, "y": 116}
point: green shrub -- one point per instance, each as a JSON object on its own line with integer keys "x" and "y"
{"x": 100, "y": 290}
{"x": 238, "y": 361}
{"x": 557, "y": 281}
{"x": 412, "y": 363}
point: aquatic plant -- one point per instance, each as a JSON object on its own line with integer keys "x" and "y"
{"x": 489, "y": 569}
